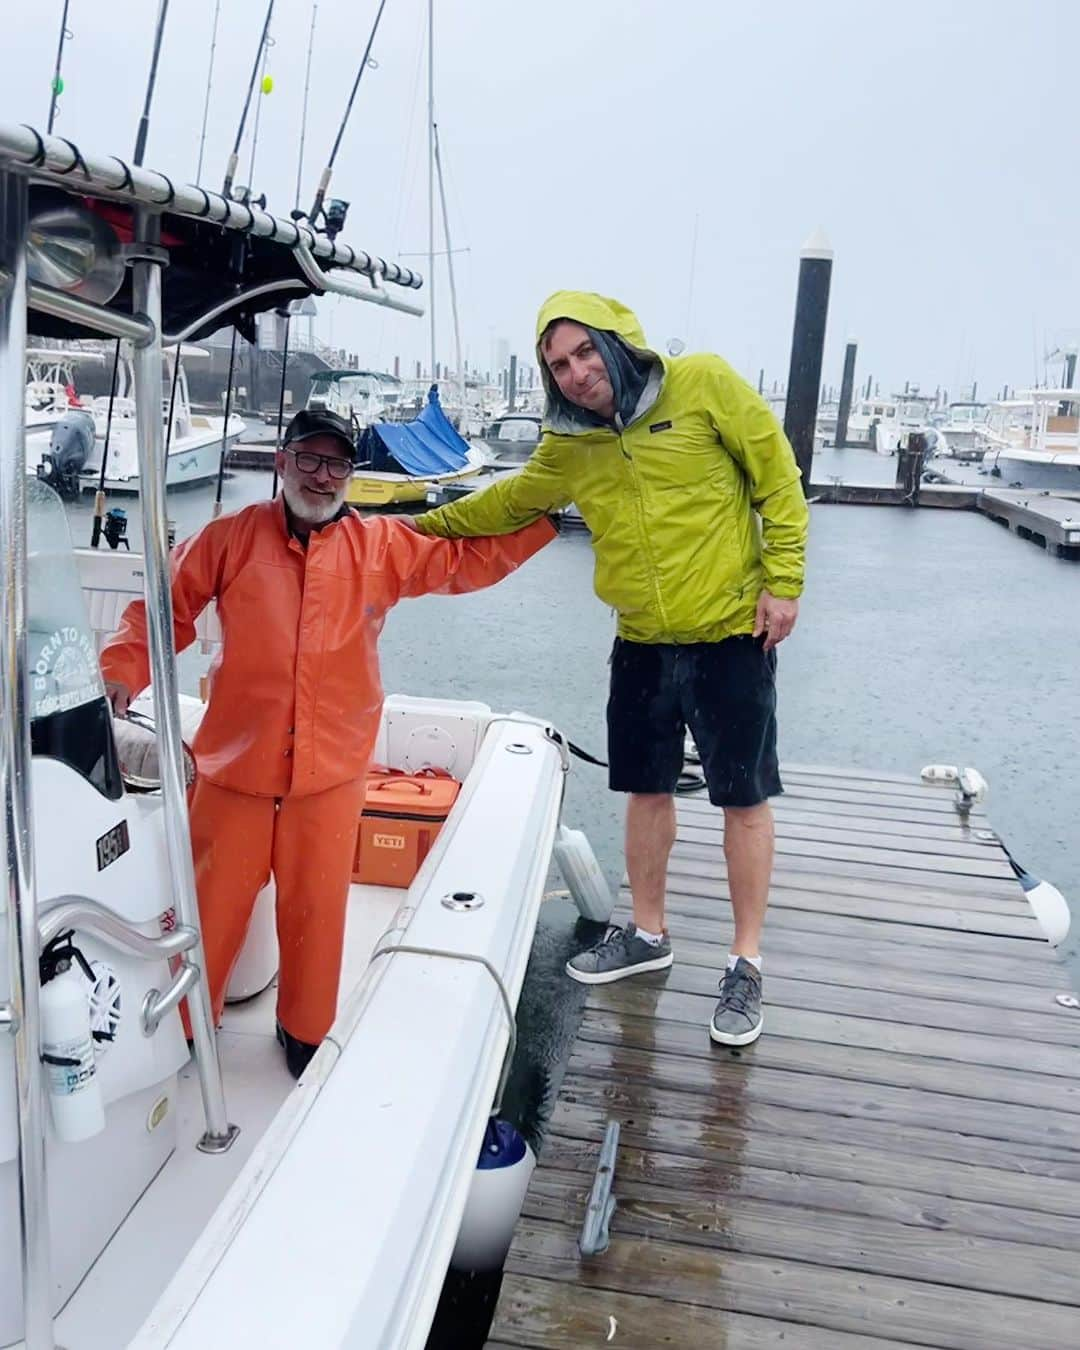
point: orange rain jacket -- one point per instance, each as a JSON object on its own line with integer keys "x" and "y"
{"x": 295, "y": 693}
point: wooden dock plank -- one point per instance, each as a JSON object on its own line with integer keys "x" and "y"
{"x": 739, "y": 1114}
{"x": 895, "y": 1162}
{"x": 968, "y": 1005}
{"x": 822, "y": 1023}
{"x": 891, "y": 1068}
{"x": 821, "y": 1237}
{"x": 912, "y": 1208}
{"x": 1024, "y": 947}
{"x": 795, "y": 952}
{"x": 550, "y": 1315}
{"x": 856, "y": 1099}
{"x": 697, "y": 896}
{"x": 800, "y": 1155}
{"x": 912, "y": 1312}
{"x": 946, "y": 841}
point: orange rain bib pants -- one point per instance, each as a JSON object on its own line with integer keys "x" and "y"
{"x": 308, "y": 843}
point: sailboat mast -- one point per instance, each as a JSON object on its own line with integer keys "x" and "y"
{"x": 431, "y": 177}
{"x": 453, "y": 287}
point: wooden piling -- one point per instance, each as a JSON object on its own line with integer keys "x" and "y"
{"x": 807, "y": 349}
{"x": 847, "y": 386}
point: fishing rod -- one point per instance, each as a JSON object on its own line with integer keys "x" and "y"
{"x": 234, "y": 158}
{"x": 140, "y": 150}
{"x": 209, "y": 84}
{"x": 144, "y": 121}
{"x": 281, "y": 395}
{"x": 57, "y": 82}
{"x": 99, "y": 499}
{"x": 225, "y": 427}
{"x": 265, "y": 85}
{"x": 324, "y": 181}
{"x": 303, "y": 115}
{"x": 230, "y": 173}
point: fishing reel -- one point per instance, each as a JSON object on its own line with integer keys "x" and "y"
{"x": 334, "y": 214}
{"x": 115, "y": 528}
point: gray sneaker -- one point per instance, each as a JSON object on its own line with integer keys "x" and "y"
{"x": 737, "y": 1019}
{"x": 621, "y": 953}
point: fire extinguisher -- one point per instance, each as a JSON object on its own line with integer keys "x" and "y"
{"x": 67, "y": 1042}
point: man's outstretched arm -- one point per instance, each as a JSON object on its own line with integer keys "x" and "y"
{"x": 507, "y": 505}
{"x": 418, "y": 564}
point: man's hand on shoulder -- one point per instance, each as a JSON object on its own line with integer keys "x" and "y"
{"x": 775, "y": 618}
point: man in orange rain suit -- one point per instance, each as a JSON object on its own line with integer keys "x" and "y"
{"x": 302, "y": 585}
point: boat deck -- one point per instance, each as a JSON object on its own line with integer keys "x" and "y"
{"x": 896, "y": 1162}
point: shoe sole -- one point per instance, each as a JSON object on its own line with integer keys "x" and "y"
{"x": 739, "y": 1038}
{"x": 623, "y": 973}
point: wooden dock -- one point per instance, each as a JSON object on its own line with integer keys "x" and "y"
{"x": 896, "y": 1162}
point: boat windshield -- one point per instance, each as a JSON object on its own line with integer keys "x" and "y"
{"x": 61, "y": 655}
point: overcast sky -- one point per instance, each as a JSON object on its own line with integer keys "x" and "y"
{"x": 588, "y": 142}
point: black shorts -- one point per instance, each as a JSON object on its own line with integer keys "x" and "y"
{"x": 725, "y": 692}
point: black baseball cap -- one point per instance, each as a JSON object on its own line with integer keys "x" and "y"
{"x": 310, "y": 422}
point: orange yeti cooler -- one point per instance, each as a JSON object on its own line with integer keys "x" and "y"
{"x": 402, "y": 816}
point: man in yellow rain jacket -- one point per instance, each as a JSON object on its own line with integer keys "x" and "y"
{"x": 698, "y": 521}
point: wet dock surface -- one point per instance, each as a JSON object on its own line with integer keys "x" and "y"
{"x": 897, "y": 1160}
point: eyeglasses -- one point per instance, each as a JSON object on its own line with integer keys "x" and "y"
{"x": 307, "y": 461}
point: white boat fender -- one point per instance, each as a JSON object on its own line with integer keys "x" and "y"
{"x": 67, "y": 1044}
{"x": 577, "y": 862}
{"x": 1049, "y": 906}
{"x": 496, "y": 1196}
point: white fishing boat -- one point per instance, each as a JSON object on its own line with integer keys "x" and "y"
{"x": 964, "y": 428}
{"x": 356, "y": 395}
{"x": 1033, "y": 440}
{"x": 71, "y": 457}
{"x": 899, "y": 417}
{"x": 51, "y": 394}
{"x": 154, "y": 1198}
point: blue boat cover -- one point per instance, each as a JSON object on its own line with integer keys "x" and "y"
{"x": 427, "y": 445}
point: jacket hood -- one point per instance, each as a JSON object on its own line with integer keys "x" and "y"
{"x": 622, "y": 325}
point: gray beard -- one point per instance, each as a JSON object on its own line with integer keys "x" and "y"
{"x": 304, "y": 513}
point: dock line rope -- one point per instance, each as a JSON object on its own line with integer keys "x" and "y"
{"x": 689, "y": 781}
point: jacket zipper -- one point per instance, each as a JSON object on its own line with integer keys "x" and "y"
{"x": 646, "y": 548}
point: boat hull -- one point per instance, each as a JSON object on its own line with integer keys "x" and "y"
{"x": 1048, "y": 473}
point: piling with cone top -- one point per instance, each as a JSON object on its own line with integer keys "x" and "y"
{"x": 807, "y": 349}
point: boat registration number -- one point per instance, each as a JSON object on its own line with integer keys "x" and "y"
{"x": 112, "y": 845}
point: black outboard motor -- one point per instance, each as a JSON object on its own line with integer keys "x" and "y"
{"x": 69, "y": 449}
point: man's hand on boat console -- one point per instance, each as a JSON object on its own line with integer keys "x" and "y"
{"x": 119, "y": 695}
